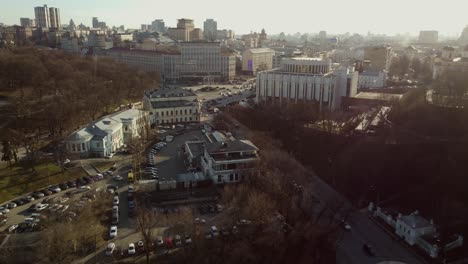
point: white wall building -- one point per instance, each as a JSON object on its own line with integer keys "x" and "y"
{"x": 307, "y": 80}
{"x": 254, "y": 60}
{"x": 171, "y": 106}
{"x": 106, "y": 135}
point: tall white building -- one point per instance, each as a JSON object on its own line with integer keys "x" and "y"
{"x": 42, "y": 16}
{"x": 307, "y": 80}
{"x": 210, "y": 29}
{"x": 47, "y": 17}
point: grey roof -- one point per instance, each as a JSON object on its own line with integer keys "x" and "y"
{"x": 415, "y": 221}
{"x": 196, "y": 148}
{"x": 171, "y": 104}
{"x": 191, "y": 176}
{"x": 230, "y": 146}
{"x": 170, "y": 92}
{"x": 127, "y": 114}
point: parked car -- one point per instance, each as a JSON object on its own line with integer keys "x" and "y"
{"x": 368, "y": 249}
{"x": 188, "y": 239}
{"x": 84, "y": 188}
{"x": 29, "y": 198}
{"x": 159, "y": 241}
{"x": 71, "y": 184}
{"x": 100, "y": 176}
{"x": 4, "y": 210}
{"x": 115, "y": 209}
{"x": 115, "y": 218}
{"x": 224, "y": 232}
{"x": 169, "y": 242}
{"x": 131, "y": 188}
{"x": 110, "y": 249}
{"x": 131, "y": 249}
{"x": 214, "y": 231}
{"x": 113, "y": 231}
{"x": 11, "y": 205}
{"x": 116, "y": 200}
{"x": 18, "y": 202}
{"x": 54, "y": 189}
{"x": 46, "y": 192}
{"x": 63, "y": 186}
{"x": 131, "y": 204}
{"x": 12, "y": 228}
{"x": 117, "y": 177}
{"x": 37, "y": 195}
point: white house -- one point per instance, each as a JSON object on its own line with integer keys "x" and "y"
{"x": 412, "y": 227}
{"x": 106, "y": 135}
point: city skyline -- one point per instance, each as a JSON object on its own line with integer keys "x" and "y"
{"x": 362, "y": 17}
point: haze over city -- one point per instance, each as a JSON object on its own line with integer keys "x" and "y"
{"x": 251, "y": 132}
{"x": 243, "y": 16}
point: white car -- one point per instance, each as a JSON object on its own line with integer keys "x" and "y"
{"x": 131, "y": 249}
{"x": 113, "y": 231}
{"x": 110, "y": 249}
{"x": 159, "y": 241}
{"x": 117, "y": 178}
{"x": 11, "y": 205}
{"x": 84, "y": 187}
{"x": 116, "y": 200}
{"x": 188, "y": 240}
{"x": 40, "y": 206}
{"x": 131, "y": 188}
{"x": 100, "y": 176}
{"x": 214, "y": 231}
{"x": 115, "y": 209}
{"x": 54, "y": 189}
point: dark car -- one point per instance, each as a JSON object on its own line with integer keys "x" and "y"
{"x": 368, "y": 249}
{"x": 130, "y": 197}
{"x": 46, "y": 192}
{"x": 87, "y": 179}
{"x": 63, "y": 186}
{"x": 37, "y": 195}
{"x": 80, "y": 182}
{"x": 18, "y": 202}
{"x": 71, "y": 184}
{"x": 26, "y": 200}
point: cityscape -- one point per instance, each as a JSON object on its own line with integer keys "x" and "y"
{"x": 198, "y": 141}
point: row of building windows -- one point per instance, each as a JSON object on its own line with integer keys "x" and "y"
{"x": 232, "y": 177}
{"x": 176, "y": 112}
{"x": 177, "y": 120}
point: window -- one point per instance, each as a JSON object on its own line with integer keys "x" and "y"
{"x": 167, "y": 113}
{"x": 190, "y": 111}
{"x": 177, "y": 119}
{"x": 185, "y": 111}
{"x": 83, "y": 146}
{"x": 176, "y": 112}
{"x": 172, "y": 112}
{"x": 73, "y": 147}
{"x": 162, "y": 113}
{"x": 231, "y": 177}
{"x": 236, "y": 176}
{"x": 126, "y": 128}
{"x": 220, "y": 178}
{"x": 98, "y": 145}
{"x": 185, "y": 119}
{"x": 190, "y": 118}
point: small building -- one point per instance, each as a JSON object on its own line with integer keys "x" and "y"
{"x": 254, "y": 60}
{"x": 172, "y": 106}
{"x": 412, "y": 226}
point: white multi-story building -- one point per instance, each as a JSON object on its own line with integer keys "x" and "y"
{"x": 106, "y": 135}
{"x": 171, "y": 106}
{"x": 224, "y": 162}
{"x": 307, "y": 80}
{"x": 42, "y": 16}
{"x": 210, "y": 29}
{"x": 259, "y": 59}
{"x": 372, "y": 79}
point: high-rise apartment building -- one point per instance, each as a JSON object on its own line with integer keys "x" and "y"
{"x": 55, "y": 21}
{"x": 47, "y": 17}
{"x": 95, "y": 22}
{"x": 42, "y": 16}
{"x": 210, "y": 28}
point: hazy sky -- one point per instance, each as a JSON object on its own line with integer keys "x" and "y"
{"x": 390, "y": 17}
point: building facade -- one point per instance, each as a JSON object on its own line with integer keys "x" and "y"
{"x": 172, "y": 106}
{"x": 188, "y": 60}
{"x": 27, "y": 22}
{"x": 42, "y": 16}
{"x": 185, "y": 31}
{"x": 428, "y": 36}
{"x": 259, "y": 59}
{"x": 307, "y": 80}
{"x": 379, "y": 58}
{"x": 372, "y": 79}
{"x": 158, "y": 25}
{"x": 107, "y": 135}
{"x": 55, "y": 21}
{"x": 210, "y": 29}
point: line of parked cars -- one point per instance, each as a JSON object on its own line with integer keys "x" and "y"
{"x": 151, "y": 171}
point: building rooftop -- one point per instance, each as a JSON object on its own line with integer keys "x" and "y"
{"x": 230, "y": 146}
{"x": 196, "y": 148}
{"x": 260, "y": 50}
{"x": 370, "y": 73}
{"x": 170, "y": 92}
{"x": 126, "y": 114}
{"x": 378, "y": 96}
{"x": 160, "y": 49}
{"x": 306, "y": 59}
{"x": 415, "y": 220}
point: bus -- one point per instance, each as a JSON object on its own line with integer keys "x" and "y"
{"x": 130, "y": 177}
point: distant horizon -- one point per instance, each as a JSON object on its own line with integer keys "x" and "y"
{"x": 416, "y": 15}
